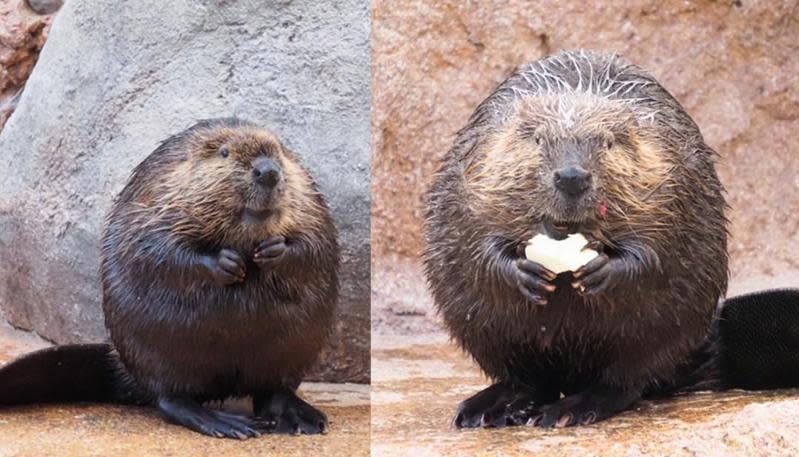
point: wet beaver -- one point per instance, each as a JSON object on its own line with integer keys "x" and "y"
{"x": 219, "y": 277}
{"x": 580, "y": 142}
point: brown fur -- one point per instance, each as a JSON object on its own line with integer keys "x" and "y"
{"x": 186, "y": 199}
{"x": 182, "y": 330}
{"x": 664, "y": 231}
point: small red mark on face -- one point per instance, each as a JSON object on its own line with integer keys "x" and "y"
{"x": 603, "y": 209}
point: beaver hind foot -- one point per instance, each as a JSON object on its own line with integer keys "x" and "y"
{"x": 500, "y": 405}
{"x": 219, "y": 424}
{"x": 592, "y": 405}
{"x": 290, "y": 414}
{"x": 503, "y": 405}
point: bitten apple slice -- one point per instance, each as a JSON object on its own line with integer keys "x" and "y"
{"x": 559, "y": 255}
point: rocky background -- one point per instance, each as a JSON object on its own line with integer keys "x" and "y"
{"x": 23, "y": 31}
{"x": 732, "y": 64}
{"x": 117, "y": 78}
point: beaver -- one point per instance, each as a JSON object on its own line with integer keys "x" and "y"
{"x": 219, "y": 278}
{"x": 582, "y": 142}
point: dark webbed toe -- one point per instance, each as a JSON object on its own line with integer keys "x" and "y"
{"x": 194, "y": 416}
{"x": 593, "y": 405}
{"x": 290, "y": 414}
{"x": 499, "y": 405}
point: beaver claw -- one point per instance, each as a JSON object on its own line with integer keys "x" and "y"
{"x": 226, "y": 268}
{"x": 270, "y": 251}
{"x": 599, "y": 275}
{"x": 532, "y": 280}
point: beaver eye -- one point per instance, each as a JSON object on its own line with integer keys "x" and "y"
{"x": 223, "y": 151}
{"x": 538, "y": 135}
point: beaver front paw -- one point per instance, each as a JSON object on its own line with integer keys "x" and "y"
{"x": 226, "y": 268}
{"x": 599, "y": 275}
{"x": 270, "y": 252}
{"x": 530, "y": 278}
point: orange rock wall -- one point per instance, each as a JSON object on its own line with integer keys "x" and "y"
{"x": 22, "y": 35}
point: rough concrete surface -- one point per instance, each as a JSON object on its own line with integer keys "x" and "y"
{"x": 732, "y": 64}
{"x": 102, "y": 430}
{"x": 116, "y": 78}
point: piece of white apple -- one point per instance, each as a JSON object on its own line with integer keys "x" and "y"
{"x": 559, "y": 255}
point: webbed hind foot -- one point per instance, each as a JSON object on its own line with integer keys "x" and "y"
{"x": 219, "y": 424}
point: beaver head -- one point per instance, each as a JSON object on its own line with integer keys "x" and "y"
{"x": 232, "y": 181}
{"x": 242, "y": 172}
{"x": 568, "y": 163}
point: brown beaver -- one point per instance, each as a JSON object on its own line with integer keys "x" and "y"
{"x": 219, "y": 277}
{"x": 580, "y": 142}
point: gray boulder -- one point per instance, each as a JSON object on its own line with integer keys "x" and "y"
{"x": 116, "y": 78}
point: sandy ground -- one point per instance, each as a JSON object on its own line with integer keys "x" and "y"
{"x": 100, "y": 430}
{"x": 418, "y": 378}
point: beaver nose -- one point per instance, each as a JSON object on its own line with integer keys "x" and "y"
{"x": 265, "y": 172}
{"x": 572, "y": 181}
